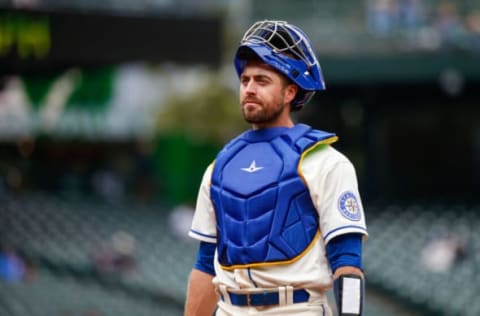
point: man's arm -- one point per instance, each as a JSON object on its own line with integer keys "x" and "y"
{"x": 201, "y": 296}
{"x": 347, "y": 270}
{"x": 345, "y": 256}
{"x": 349, "y": 291}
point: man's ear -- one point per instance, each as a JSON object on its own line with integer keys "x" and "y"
{"x": 290, "y": 92}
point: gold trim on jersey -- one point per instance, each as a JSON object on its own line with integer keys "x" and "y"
{"x": 273, "y": 263}
{"x": 312, "y": 148}
{"x": 211, "y": 173}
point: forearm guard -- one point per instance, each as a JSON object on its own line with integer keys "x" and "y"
{"x": 349, "y": 290}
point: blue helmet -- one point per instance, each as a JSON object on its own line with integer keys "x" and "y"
{"x": 287, "y": 49}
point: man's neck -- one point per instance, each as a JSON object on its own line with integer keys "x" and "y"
{"x": 283, "y": 123}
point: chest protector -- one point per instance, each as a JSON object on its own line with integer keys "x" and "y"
{"x": 263, "y": 209}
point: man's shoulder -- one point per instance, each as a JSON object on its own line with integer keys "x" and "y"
{"x": 233, "y": 141}
{"x": 325, "y": 155}
{"x": 320, "y": 163}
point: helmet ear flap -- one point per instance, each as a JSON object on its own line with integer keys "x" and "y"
{"x": 302, "y": 98}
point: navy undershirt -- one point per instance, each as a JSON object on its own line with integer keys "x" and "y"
{"x": 206, "y": 252}
{"x": 345, "y": 250}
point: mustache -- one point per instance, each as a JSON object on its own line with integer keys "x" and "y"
{"x": 250, "y": 99}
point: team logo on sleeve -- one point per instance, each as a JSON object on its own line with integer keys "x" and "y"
{"x": 349, "y": 207}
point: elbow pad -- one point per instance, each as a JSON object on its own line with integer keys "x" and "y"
{"x": 349, "y": 291}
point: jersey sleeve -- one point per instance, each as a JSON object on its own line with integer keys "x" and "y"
{"x": 204, "y": 222}
{"x": 333, "y": 186}
{"x": 340, "y": 207}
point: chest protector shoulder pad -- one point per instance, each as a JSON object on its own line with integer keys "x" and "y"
{"x": 263, "y": 208}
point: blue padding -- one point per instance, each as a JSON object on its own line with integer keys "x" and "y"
{"x": 255, "y": 183}
{"x": 206, "y": 253}
{"x": 345, "y": 250}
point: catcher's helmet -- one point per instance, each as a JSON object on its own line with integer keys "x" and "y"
{"x": 287, "y": 49}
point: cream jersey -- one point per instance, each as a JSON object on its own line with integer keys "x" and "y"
{"x": 332, "y": 183}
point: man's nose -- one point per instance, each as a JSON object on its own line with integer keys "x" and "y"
{"x": 251, "y": 87}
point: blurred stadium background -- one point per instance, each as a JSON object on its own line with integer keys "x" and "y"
{"x": 110, "y": 111}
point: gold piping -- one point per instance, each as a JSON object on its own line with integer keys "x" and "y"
{"x": 272, "y": 263}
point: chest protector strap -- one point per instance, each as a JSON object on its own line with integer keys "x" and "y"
{"x": 264, "y": 212}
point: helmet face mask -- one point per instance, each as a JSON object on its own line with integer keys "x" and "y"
{"x": 288, "y": 50}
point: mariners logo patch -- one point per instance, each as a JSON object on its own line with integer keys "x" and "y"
{"x": 349, "y": 206}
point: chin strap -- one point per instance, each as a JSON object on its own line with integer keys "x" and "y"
{"x": 349, "y": 290}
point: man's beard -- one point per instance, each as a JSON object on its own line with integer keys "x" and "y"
{"x": 263, "y": 115}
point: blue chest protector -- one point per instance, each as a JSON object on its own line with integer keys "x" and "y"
{"x": 263, "y": 208}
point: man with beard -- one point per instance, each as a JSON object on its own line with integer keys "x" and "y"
{"x": 278, "y": 215}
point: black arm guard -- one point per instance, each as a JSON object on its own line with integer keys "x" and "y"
{"x": 349, "y": 290}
